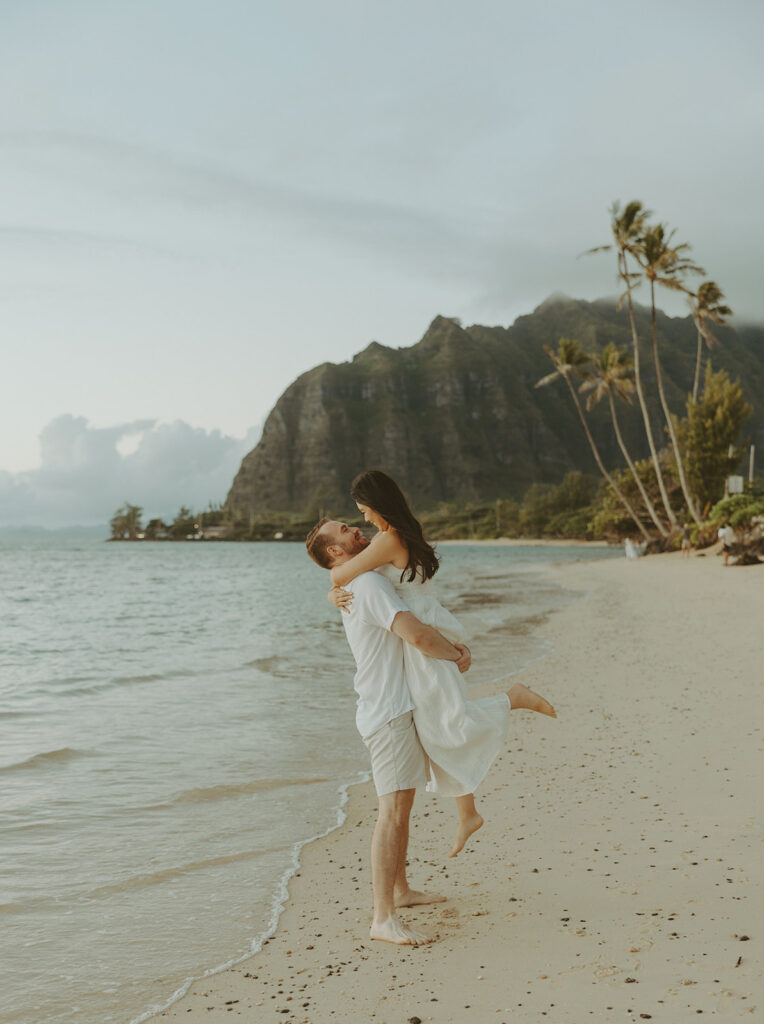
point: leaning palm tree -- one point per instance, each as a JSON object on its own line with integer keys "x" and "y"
{"x": 667, "y": 265}
{"x": 628, "y": 225}
{"x": 611, "y": 377}
{"x": 706, "y": 305}
{"x": 569, "y": 361}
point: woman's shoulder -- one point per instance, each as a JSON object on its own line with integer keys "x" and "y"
{"x": 389, "y": 543}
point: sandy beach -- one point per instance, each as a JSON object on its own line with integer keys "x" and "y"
{"x": 620, "y": 869}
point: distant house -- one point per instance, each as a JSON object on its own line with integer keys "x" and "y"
{"x": 214, "y": 532}
{"x": 156, "y": 530}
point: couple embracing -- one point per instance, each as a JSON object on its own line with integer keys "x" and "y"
{"x": 413, "y": 712}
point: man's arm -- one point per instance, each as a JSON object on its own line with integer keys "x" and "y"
{"x": 429, "y": 641}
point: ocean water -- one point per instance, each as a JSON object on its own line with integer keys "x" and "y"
{"x": 176, "y": 720}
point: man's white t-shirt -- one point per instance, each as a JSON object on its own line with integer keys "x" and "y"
{"x": 727, "y": 534}
{"x": 380, "y": 681}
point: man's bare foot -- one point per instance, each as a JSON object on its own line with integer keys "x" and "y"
{"x": 412, "y": 898}
{"x": 464, "y": 831}
{"x": 394, "y": 930}
{"x": 521, "y": 696}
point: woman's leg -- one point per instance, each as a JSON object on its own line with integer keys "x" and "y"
{"x": 522, "y": 697}
{"x": 469, "y": 821}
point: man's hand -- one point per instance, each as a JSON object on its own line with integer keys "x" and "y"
{"x": 466, "y": 658}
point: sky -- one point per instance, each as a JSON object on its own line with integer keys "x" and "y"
{"x": 201, "y": 200}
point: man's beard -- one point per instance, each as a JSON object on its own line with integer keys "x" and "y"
{"x": 355, "y": 547}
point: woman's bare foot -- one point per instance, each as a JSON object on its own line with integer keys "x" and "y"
{"x": 412, "y": 898}
{"x": 392, "y": 929}
{"x": 521, "y": 696}
{"x": 466, "y": 827}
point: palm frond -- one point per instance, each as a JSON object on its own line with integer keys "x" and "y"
{"x": 548, "y": 379}
{"x": 628, "y": 223}
{"x": 708, "y": 304}
{"x": 719, "y": 315}
{"x": 670, "y": 283}
{"x": 624, "y": 389}
{"x": 591, "y": 401}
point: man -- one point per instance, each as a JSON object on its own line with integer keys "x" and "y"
{"x": 377, "y": 625}
{"x": 727, "y": 536}
{"x": 686, "y": 540}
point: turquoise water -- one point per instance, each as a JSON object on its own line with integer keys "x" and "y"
{"x": 175, "y": 720}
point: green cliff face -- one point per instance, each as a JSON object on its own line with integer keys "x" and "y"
{"x": 456, "y": 417}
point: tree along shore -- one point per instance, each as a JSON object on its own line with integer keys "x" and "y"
{"x": 580, "y": 508}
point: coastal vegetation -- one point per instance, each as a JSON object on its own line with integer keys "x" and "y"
{"x": 569, "y": 360}
{"x": 563, "y": 511}
{"x": 578, "y": 508}
{"x": 710, "y": 436}
{"x": 705, "y": 447}
{"x": 127, "y": 524}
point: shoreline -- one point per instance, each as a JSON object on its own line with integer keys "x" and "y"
{"x": 279, "y": 903}
{"x": 574, "y": 933}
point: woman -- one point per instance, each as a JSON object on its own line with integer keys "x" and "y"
{"x": 460, "y": 737}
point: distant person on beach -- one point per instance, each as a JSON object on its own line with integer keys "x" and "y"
{"x": 727, "y": 536}
{"x": 629, "y": 550}
{"x": 686, "y": 540}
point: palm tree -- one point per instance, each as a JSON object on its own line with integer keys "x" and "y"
{"x": 628, "y": 225}
{"x": 706, "y": 304}
{"x": 611, "y": 377}
{"x": 569, "y": 361}
{"x": 667, "y": 264}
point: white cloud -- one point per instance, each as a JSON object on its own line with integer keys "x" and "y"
{"x": 83, "y": 476}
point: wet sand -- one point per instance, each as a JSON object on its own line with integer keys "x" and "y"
{"x": 620, "y": 872}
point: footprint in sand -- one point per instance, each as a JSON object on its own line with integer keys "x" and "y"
{"x": 610, "y": 971}
{"x": 727, "y": 1001}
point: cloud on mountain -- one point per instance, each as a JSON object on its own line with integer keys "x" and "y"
{"x": 86, "y": 472}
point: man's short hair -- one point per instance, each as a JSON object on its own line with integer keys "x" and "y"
{"x": 317, "y": 543}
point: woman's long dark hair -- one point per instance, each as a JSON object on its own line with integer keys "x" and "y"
{"x": 382, "y": 494}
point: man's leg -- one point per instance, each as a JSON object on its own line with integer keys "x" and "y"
{"x": 388, "y": 849}
{"x": 404, "y": 895}
{"x": 398, "y": 765}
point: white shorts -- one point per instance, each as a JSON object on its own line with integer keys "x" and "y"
{"x": 397, "y": 759}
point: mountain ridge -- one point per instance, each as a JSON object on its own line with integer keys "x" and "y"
{"x": 456, "y": 416}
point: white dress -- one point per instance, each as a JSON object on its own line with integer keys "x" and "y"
{"x": 461, "y": 737}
